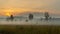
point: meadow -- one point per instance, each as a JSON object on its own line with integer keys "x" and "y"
{"x": 29, "y": 29}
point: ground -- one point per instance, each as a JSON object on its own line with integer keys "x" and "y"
{"x": 29, "y": 29}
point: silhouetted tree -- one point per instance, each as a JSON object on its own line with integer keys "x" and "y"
{"x": 11, "y": 17}
{"x": 46, "y": 15}
{"x": 30, "y": 16}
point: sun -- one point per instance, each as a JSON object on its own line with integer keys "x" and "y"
{"x": 7, "y": 14}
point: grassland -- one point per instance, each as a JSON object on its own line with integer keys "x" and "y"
{"x": 29, "y": 29}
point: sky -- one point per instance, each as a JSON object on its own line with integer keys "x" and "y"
{"x": 20, "y": 6}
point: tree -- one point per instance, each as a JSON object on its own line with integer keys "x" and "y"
{"x": 11, "y": 17}
{"x": 46, "y": 15}
{"x": 30, "y": 16}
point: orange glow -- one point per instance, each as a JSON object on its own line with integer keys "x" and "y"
{"x": 18, "y": 11}
{"x": 7, "y": 14}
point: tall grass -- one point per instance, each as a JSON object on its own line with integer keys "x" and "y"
{"x": 29, "y": 29}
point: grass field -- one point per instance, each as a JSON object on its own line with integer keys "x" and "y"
{"x": 29, "y": 29}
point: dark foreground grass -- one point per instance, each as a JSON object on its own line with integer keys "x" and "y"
{"x": 29, "y": 29}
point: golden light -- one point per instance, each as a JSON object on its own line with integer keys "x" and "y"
{"x": 7, "y": 14}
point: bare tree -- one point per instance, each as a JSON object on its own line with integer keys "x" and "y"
{"x": 46, "y": 15}
{"x": 30, "y": 16}
{"x": 11, "y": 17}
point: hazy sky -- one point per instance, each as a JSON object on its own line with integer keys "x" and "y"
{"x": 13, "y": 6}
